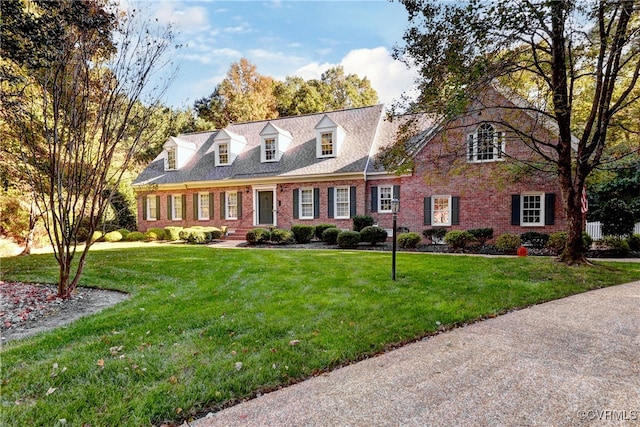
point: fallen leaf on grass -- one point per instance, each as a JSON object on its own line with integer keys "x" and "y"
{"x": 173, "y": 379}
{"x": 294, "y": 342}
{"x": 238, "y": 366}
{"x": 100, "y": 363}
{"x": 51, "y": 390}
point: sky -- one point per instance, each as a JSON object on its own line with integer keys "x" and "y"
{"x": 282, "y": 38}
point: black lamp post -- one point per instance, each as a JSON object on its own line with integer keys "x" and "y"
{"x": 395, "y": 207}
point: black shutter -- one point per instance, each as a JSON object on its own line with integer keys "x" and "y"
{"x": 144, "y": 208}
{"x": 396, "y": 192}
{"x": 184, "y": 206}
{"x": 158, "y": 207}
{"x": 549, "y": 208}
{"x": 330, "y": 202}
{"x": 169, "y": 206}
{"x": 515, "y": 209}
{"x": 239, "y": 201}
{"x": 374, "y": 199}
{"x": 427, "y": 211}
{"x": 296, "y": 202}
{"x": 195, "y": 206}
{"x": 455, "y": 210}
{"x": 223, "y": 206}
{"x": 352, "y": 201}
{"x": 211, "y": 206}
{"x": 316, "y": 203}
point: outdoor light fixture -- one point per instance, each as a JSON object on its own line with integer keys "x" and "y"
{"x": 395, "y": 207}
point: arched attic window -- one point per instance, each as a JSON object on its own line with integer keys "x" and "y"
{"x": 485, "y": 144}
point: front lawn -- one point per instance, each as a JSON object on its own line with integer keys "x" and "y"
{"x": 207, "y": 327}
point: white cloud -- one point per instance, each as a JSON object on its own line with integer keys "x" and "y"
{"x": 189, "y": 19}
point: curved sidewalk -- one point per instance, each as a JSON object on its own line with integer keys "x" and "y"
{"x": 570, "y": 362}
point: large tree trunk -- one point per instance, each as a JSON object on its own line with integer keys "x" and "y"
{"x": 574, "y": 252}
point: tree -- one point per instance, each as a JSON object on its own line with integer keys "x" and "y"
{"x": 546, "y": 53}
{"x": 341, "y": 91}
{"x": 76, "y": 110}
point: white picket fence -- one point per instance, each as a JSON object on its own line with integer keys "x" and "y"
{"x": 594, "y": 230}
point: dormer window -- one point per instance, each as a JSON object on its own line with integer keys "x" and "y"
{"x": 326, "y": 145}
{"x": 177, "y": 153}
{"x": 329, "y": 137}
{"x": 223, "y": 154}
{"x": 485, "y": 145}
{"x": 269, "y": 149}
{"x": 171, "y": 158}
{"x": 275, "y": 142}
{"x": 227, "y": 146}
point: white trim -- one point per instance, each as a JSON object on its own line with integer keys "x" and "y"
{"x": 200, "y": 216}
{"x": 319, "y": 153}
{"x": 541, "y": 221}
{"x": 497, "y": 145}
{"x": 151, "y": 201}
{"x": 256, "y": 203}
{"x": 174, "y": 217}
{"x": 433, "y": 211}
{"x": 263, "y": 149}
{"x": 335, "y": 202}
{"x": 167, "y": 165}
{"x": 219, "y": 161}
{"x": 380, "y": 187}
{"x": 301, "y": 216}
{"x": 227, "y": 216}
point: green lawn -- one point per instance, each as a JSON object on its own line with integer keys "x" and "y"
{"x": 206, "y": 327}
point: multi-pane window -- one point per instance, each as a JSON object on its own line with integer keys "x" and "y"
{"x": 485, "y": 145}
{"x": 342, "y": 202}
{"x": 326, "y": 145}
{"x": 385, "y": 195}
{"x": 306, "y": 203}
{"x": 270, "y": 149}
{"x": 152, "y": 209}
{"x": 176, "y": 207}
{"x": 203, "y": 206}
{"x": 532, "y": 212}
{"x": 441, "y": 210}
{"x": 171, "y": 158}
{"x": 232, "y": 205}
{"x": 223, "y": 154}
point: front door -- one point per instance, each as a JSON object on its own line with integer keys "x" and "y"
{"x": 265, "y": 207}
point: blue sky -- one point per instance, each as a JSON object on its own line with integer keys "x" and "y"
{"x": 284, "y": 37}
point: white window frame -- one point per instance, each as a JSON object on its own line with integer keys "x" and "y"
{"x": 497, "y": 145}
{"x": 229, "y": 205}
{"x": 274, "y": 149}
{"x": 434, "y": 217}
{"x": 541, "y": 221}
{"x": 336, "y": 203}
{"x": 202, "y": 206}
{"x": 172, "y": 159}
{"x": 302, "y": 204}
{"x": 176, "y": 203}
{"x": 151, "y": 207}
{"x": 332, "y": 135}
{"x": 220, "y": 153}
{"x": 382, "y": 189}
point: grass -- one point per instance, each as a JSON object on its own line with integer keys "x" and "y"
{"x": 207, "y": 327}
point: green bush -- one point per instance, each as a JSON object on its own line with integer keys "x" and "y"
{"x": 348, "y": 239}
{"x": 113, "y": 236}
{"x": 557, "y": 241}
{"x": 257, "y": 236}
{"x": 616, "y": 245}
{"x": 155, "y": 233}
{"x": 330, "y": 235}
{"x": 362, "y": 221}
{"x": 135, "y": 236}
{"x": 508, "y": 243}
{"x": 199, "y": 234}
{"x": 172, "y": 233}
{"x": 303, "y": 233}
{"x": 280, "y": 235}
{"x": 123, "y": 231}
{"x": 634, "y": 242}
{"x": 534, "y": 239}
{"x": 587, "y": 241}
{"x": 373, "y": 235}
{"x": 618, "y": 218}
{"x": 409, "y": 240}
{"x": 482, "y": 234}
{"x": 457, "y": 239}
{"x": 320, "y": 229}
{"x": 97, "y": 236}
{"x": 82, "y": 234}
{"x": 433, "y": 234}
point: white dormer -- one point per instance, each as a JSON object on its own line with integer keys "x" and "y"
{"x": 274, "y": 142}
{"x": 177, "y": 153}
{"x": 329, "y": 138}
{"x": 227, "y": 146}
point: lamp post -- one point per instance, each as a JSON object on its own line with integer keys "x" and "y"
{"x": 395, "y": 207}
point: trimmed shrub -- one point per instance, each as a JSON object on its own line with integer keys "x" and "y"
{"x": 257, "y": 236}
{"x": 409, "y": 240}
{"x": 135, "y": 236}
{"x": 557, "y": 241}
{"x": 155, "y": 233}
{"x": 634, "y": 242}
{"x": 508, "y": 243}
{"x": 458, "y": 239}
{"x": 97, "y": 236}
{"x": 320, "y": 229}
{"x": 330, "y": 235}
{"x": 348, "y": 239}
{"x": 113, "y": 236}
{"x": 362, "y": 221}
{"x": 303, "y": 233}
{"x": 434, "y": 234}
{"x": 123, "y": 231}
{"x": 615, "y": 245}
{"x": 280, "y": 235}
{"x": 482, "y": 234}
{"x": 534, "y": 239}
{"x": 172, "y": 233}
{"x": 373, "y": 235}
{"x": 199, "y": 234}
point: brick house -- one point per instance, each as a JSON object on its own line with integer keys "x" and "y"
{"x": 320, "y": 168}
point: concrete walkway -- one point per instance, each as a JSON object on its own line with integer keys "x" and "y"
{"x": 570, "y": 362}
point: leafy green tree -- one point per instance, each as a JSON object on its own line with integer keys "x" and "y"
{"x": 556, "y": 47}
